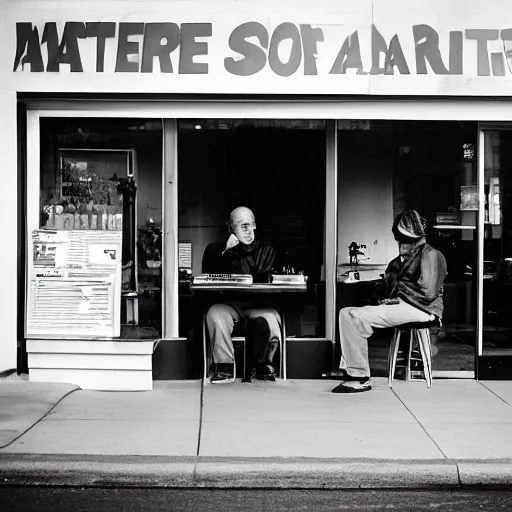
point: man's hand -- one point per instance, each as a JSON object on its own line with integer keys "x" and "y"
{"x": 232, "y": 241}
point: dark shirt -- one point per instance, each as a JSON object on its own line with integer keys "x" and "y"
{"x": 419, "y": 279}
{"x": 256, "y": 259}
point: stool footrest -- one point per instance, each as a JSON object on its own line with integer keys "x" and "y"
{"x": 415, "y": 362}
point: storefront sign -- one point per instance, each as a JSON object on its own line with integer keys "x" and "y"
{"x": 232, "y": 47}
{"x": 253, "y": 47}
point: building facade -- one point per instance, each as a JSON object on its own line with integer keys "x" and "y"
{"x": 130, "y": 129}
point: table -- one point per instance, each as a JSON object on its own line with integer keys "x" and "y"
{"x": 248, "y": 289}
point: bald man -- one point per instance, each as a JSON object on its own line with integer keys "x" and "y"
{"x": 243, "y": 254}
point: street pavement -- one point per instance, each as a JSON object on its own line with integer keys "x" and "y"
{"x": 35, "y": 499}
{"x": 294, "y": 434}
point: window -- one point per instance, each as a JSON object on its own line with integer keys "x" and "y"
{"x": 96, "y": 269}
{"x": 385, "y": 167}
{"x": 277, "y": 169}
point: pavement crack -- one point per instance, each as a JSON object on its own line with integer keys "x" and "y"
{"x": 200, "y": 418}
{"x": 458, "y": 474}
{"x": 419, "y": 423}
{"x": 40, "y": 419}
{"x": 495, "y": 394}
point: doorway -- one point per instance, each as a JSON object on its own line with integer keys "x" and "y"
{"x": 495, "y": 273}
{"x": 385, "y": 167}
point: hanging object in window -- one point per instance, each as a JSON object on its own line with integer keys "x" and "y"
{"x": 469, "y": 152}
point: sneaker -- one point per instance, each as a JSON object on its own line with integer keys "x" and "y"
{"x": 223, "y": 373}
{"x": 264, "y": 372}
{"x": 354, "y": 386}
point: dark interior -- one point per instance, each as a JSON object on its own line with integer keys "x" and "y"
{"x": 277, "y": 170}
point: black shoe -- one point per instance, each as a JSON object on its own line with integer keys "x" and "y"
{"x": 264, "y": 372}
{"x": 354, "y": 386}
{"x": 223, "y": 373}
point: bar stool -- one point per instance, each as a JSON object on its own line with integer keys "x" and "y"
{"x": 420, "y": 332}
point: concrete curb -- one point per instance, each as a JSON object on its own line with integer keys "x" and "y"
{"x": 220, "y": 473}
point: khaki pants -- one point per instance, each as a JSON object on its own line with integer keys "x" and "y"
{"x": 357, "y": 324}
{"x": 262, "y": 327}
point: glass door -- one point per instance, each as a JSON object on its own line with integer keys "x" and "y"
{"x": 384, "y": 168}
{"x": 495, "y": 251}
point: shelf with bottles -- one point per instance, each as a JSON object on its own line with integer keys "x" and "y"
{"x": 85, "y": 216}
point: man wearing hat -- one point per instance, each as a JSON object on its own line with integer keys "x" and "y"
{"x": 414, "y": 281}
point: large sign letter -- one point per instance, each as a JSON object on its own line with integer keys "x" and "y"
{"x": 310, "y": 37}
{"x": 28, "y": 48}
{"x": 348, "y": 57}
{"x": 153, "y": 46}
{"x": 506, "y": 36}
{"x": 426, "y": 40}
{"x": 190, "y": 48}
{"x": 100, "y": 30}
{"x": 125, "y": 47}
{"x": 282, "y": 32}
{"x": 69, "y": 52}
{"x": 395, "y": 57}
{"x": 482, "y": 36}
{"x": 253, "y": 57}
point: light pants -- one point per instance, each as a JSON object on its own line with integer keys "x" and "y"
{"x": 265, "y": 331}
{"x": 357, "y": 324}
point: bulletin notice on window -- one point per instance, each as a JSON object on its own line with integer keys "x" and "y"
{"x": 75, "y": 284}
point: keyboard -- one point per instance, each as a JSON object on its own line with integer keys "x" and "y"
{"x": 231, "y": 279}
{"x": 291, "y": 279}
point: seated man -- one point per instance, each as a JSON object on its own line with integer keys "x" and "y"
{"x": 415, "y": 286}
{"x": 243, "y": 254}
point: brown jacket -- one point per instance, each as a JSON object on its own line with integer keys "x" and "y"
{"x": 419, "y": 280}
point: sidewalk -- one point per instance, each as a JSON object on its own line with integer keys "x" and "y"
{"x": 293, "y": 434}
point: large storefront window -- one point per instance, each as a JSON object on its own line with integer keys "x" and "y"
{"x": 385, "y": 167}
{"x": 277, "y": 169}
{"x": 96, "y": 269}
{"x": 497, "y": 264}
